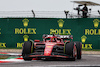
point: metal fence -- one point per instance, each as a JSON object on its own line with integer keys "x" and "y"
{"x": 45, "y": 14}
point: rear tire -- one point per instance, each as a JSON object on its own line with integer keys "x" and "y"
{"x": 26, "y": 50}
{"x": 79, "y": 49}
{"x": 69, "y": 47}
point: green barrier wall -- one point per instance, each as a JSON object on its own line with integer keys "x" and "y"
{"x": 15, "y": 31}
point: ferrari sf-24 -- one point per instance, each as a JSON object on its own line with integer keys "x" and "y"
{"x": 52, "y": 46}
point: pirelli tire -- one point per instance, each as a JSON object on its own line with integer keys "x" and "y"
{"x": 79, "y": 49}
{"x": 68, "y": 50}
{"x": 26, "y": 50}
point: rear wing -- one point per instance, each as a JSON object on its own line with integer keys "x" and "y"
{"x": 66, "y": 36}
{"x": 60, "y": 36}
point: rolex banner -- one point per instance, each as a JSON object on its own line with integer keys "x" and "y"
{"x": 15, "y": 31}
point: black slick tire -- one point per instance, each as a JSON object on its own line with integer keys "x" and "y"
{"x": 79, "y": 49}
{"x": 26, "y": 50}
{"x": 68, "y": 49}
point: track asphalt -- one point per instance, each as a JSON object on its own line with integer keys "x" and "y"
{"x": 87, "y": 60}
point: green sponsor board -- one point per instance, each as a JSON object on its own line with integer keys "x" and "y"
{"x": 15, "y": 31}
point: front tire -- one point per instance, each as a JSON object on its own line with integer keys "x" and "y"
{"x": 27, "y": 46}
{"x": 79, "y": 49}
{"x": 68, "y": 49}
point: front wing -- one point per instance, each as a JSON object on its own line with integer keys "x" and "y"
{"x": 50, "y": 56}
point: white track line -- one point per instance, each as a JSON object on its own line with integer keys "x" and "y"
{"x": 94, "y": 55}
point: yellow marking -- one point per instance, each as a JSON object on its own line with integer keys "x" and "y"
{"x": 19, "y": 45}
{"x": 92, "y": 31}
{"x": 25, "y": 30}
{"x": 86, "y": 46}
{"x": 2, "y": 44}
{"x": 61, "y": 31}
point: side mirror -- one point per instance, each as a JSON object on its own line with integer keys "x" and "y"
{"x": 36, "y": 40}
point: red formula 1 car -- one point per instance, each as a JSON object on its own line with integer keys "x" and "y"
{"x": 52, "y": 46}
